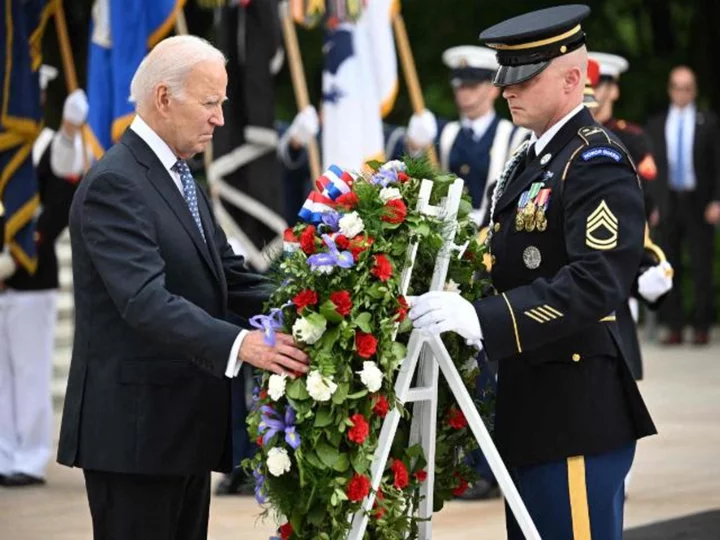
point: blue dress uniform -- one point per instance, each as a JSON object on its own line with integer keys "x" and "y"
{"x": 566, "y": 239}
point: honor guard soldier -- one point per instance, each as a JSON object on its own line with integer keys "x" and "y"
{"x": 566, "y": 233}
{"x": 28, "y": 303}
{"x": 633, "y": 137}
{"x": 476, "y": 146}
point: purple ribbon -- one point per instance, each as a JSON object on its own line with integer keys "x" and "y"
{"x": 272, "y": 423}
{"x": 269, "y": 324}
{"x": 332, "y": 258}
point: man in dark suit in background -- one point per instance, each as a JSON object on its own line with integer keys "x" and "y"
{"x": 147, "y": 408}
{"x": 686, "y": 142}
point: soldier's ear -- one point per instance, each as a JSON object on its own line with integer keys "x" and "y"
{"x": 615, "y": 92}
{"x": 573, "y": 78}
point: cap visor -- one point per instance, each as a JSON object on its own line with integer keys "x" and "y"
{"x": 509, "y": 75}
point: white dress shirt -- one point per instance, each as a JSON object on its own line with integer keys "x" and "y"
{"x": 541, "y": 142}
{"x": 168, "y": 158}
{"x": 672, "y": 128}
{"x": 480, "y": 125}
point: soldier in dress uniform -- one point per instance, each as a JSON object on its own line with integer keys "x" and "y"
{"x": 28, "y": 305}
{"x": 476, "y": 146}
{"x": 566, "y": 235}
{"x": 633, "y": 137}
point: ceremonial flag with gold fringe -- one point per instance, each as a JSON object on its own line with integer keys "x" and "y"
{"x": 122, "y": 33}
{"x": 22, "y": 24}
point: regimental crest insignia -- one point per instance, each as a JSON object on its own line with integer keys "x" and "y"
{"x": 602, "y": 228}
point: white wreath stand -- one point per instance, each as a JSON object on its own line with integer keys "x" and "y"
{"x": 427, "y": 354}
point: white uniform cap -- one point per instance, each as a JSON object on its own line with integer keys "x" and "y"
{"x": 611, "y": 65}
{"x": 47, "y": 74}
{"x": 470, "y": 63}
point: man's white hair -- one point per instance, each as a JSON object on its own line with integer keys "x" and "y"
{"x": 170, "y": 62}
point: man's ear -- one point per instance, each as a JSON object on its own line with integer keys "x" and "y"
{"x": 573, "y": 78}
{"x": 161, "y": 96}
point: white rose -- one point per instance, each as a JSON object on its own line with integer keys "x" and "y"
{"x": 276, "y": 386}
{"x": 278, "y": 461}
{"x": 394, "y": 165}
{"x": 351, "y": 225}
{"x": 371, "y": 376}
{"x": 320, "y": 388}
{"x": 307, "y": 332}
{"x": 390, "y": 193}
{"x": 470, "y": 365}
{"x": 451, "y": 286}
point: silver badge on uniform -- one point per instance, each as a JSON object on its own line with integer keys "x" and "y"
{"x": 545, "y": 159}
{"x": 532, "y": 257}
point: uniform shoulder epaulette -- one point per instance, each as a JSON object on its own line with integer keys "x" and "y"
{"x": 593, "y": 136}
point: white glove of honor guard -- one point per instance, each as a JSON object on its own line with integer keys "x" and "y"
{"x": 442, "y": 311}
{"x": 305, "y": 126}
{"x": 655, "y": 281}
{"x": 422, "y": 129}
{"x": 7, "y": 265}
{"x": 75, "y": 109}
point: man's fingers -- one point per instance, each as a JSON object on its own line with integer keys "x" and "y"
{"x": 290, "y": 365}
{"x": 294, "y": 353}
{"x": 285, "y": 339}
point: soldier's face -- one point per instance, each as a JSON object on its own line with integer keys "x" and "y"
{"x": 475, "y": 100}
{"x": 532, "y": 101}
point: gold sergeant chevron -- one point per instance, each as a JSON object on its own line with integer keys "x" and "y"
{"x": 601, "y": 218}
{"x": 543, "y": 314}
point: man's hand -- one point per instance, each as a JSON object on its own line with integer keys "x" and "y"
{"x": 655, "y": 281}
{"x": 283, "y": 358}
{"x": 422, "y": 130}
{"x": 712, "y": 213}
{"x": 304, "y": 128}
{"x": 442, "y": 311}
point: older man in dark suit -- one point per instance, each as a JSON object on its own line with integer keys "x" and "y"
{"x": 687, "y": 147}
{"x": 147, "y": 411}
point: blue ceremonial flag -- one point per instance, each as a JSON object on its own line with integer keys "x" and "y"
{"x": 122, "y": 33}
{"x": 22, "y": 24}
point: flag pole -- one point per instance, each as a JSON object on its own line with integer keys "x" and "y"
{"x": 69, "y": 67}
{"x": 297, "y": 73}
{"x": 410, "y": 72}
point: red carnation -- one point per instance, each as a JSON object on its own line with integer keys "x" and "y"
{"x": 381, "y": 406}
{"x": 263, "y": 394}
{"x": 379, "y": 496}
{"x": 421, "y": 475}
{"x": 360, "y": 244}
{"x": 360, "y": 430}
{"x": 358, "y": 487}
{"x": 348, "y": 199}
{"x": 343, "y": 302}
{"x": 402, "y": 311}
{"x": 342, "y": 242}
{"x": 258, "y": 441}
{"x": 307, "y": 240}
{"x": 286, "y": 531}
{"x": 403, "y": 177}
{"x": 366, "y": 344}
{"x": 402, "y": 478}
{"x": 456, "y": 418}
{"x": 305, "y": 298}
{"x": 395, "y": 211}
{"x": 461, "y": 487}
{"x": 383, "y": 268}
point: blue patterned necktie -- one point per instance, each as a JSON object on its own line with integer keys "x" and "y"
{"x": 189, "y": 192}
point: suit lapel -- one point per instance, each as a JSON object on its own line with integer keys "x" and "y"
{"x": 535, "y": 169}
{"x": 163, "y": 183}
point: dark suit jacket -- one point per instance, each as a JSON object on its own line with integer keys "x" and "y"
{"x": 706, "y": 160}
{"x": 146, "y": 391}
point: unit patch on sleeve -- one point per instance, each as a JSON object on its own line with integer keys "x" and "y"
{"x": 603, "y": 151}
{"x": 602, "y": 228}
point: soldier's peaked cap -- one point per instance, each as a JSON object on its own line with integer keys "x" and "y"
{"x": 527, "y": 44}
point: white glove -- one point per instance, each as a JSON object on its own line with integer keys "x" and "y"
{"x": 7, "y": 265}
{"x": 422, "y": 129}
{"x": 442, "y": 311}
{"x": 75, "y": 109}
{"x": 655, "y": 281}
{"x": 305, "y": 126}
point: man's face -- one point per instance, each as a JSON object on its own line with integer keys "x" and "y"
{"x": 682, "y": 88}
{"x": 198, "y": 111}
{"x": 532, "y": 102}
{"x": 474, "y": 99}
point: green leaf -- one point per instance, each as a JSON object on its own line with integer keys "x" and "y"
{"x": 342, "y": 464}
{"x": 341, "y": 394}
{"x": 363, "y": 322}
{"x": 296, "y": 390}
{"x": 316, "y": 320}
{"x": 296, "y": 520}
{"x": 465, "y": 208}
{"x": 376, "y": 291}
{"x": 314, "y": 460}
{"x": 374, "y": 164}
{"x": 358, "y": 395}
{"x": 327, "y": 310}
{"x": 399, "y": 350}
{"x": 317, "y": 514}
{"x": 405, "y": 326}
{"x": 414, "y": 451}
{"x": 359, "y": 462}
{"x": 422, "y": 230}
{"x": 340, "y": 495}
{"x": 323, "y": 417}
{"x": 327, "y": 454}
